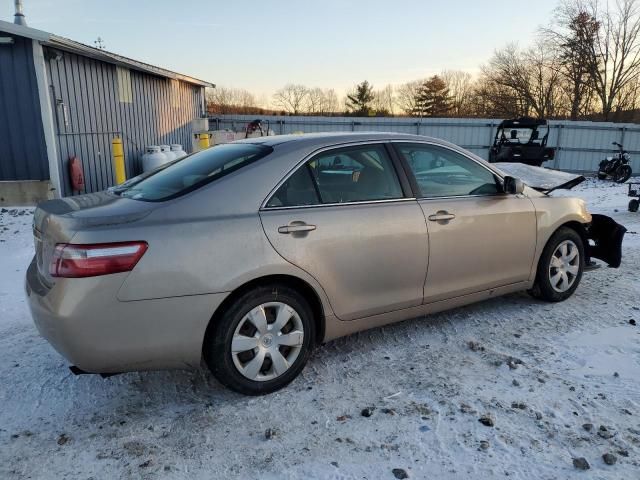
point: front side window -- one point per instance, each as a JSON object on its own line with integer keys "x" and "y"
{"x": 441, "y": 172}
{"x": 192, "y": 172}
{"x": 349, "y": 174}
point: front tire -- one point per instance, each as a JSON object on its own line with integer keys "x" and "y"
{"x": 633, "y": 205}
{"x": 560, "y": 266}
{"x": 262, "y": 341}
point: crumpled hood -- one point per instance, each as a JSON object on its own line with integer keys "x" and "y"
{"x": 542, "y": 179}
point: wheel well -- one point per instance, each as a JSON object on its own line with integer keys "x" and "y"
{"x": 581, "y": 230}
{"x": 306, "y": 290}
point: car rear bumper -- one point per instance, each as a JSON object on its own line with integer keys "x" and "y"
{"x": 84, "y": 321}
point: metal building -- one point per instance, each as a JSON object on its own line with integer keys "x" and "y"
{"x": 61, "y": 99}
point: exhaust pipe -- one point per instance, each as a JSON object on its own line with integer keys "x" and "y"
{"x": 78, "y": 371}
{"x": 18, "y": 18}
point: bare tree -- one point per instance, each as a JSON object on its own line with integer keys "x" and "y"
{"x": 329, "y": 101}
{"x": 314, "y": 100}
{"x": 460, "y": 85}
{"x": 629, "y": 97}
{"x": 291, "y": 98}
{"x": 407, "y": 96}
{"x": 493, "y": 100}
{"x": 532, "y": 76}
{"x": 320, "y": 101}
{"x": 384, "y": 101}
{"x": 544, "y": 79}
{"x": 572, "y": 36}
{"x": 615, "y": 57}
{"x": 223, "y": 100}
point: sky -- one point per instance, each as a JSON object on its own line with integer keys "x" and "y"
{"x": 262, "y": 45}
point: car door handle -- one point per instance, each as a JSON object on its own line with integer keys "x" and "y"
{"x": 441, "y": 216}
{"x": 296, "y": 227}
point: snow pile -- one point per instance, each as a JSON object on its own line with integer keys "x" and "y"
{"x": 508, "y": 387}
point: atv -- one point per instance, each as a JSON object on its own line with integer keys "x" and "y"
{"x": 522, "y": 143}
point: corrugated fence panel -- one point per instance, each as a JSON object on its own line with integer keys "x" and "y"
{"x": 90, "y": 108}
{"x": 581, "y": 145}
{"x": 23, "y": 152}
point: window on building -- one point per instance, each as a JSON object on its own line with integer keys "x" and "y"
{"x": 175, "y": 93}
{"x": 125, "y": 93}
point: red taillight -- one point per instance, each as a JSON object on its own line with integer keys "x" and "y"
{"x": 76, "y": 261}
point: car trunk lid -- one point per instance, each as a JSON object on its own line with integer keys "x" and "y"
{"x": 57, "y": 221}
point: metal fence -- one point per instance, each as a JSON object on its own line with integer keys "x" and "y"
{"x": 580, "y": 145}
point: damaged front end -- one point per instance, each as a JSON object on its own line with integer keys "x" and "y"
{"x": 604, "y": 240}
{"x": 602, "y": 237}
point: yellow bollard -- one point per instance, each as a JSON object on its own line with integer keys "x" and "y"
{"x": 118, "y": 160}
{"x": 203, "y": 141}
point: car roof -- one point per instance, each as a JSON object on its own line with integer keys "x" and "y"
{"x": 306, "y": 140}
{"x": 522, "y": 122}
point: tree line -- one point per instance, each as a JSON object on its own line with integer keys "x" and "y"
{"x": 585, "y": 64}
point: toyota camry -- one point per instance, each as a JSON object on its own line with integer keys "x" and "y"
{"x": 247, "y": 255}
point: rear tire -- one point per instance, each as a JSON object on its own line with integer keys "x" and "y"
{"x": 602, "y": 175}
{"x": 560, "y": 266}
{"x": 262, "y": 341}
{"x": 622, "y": 174}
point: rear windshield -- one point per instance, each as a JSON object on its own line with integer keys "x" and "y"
{"x": 192, "y": 172}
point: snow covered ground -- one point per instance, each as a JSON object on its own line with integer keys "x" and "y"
{"x": 548, "y": 376}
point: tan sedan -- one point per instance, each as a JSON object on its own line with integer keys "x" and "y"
{"x": 247, "y": 255}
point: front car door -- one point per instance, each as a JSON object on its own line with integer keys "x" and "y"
{"x": 479, "y": 237}
{"x": 346, "y": 217}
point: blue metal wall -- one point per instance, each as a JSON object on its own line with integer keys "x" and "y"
{"x": 88, "y": 113}
{"x": 581, "y": 145}
{"x": 23, "y": 153}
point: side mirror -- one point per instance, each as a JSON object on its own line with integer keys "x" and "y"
{"x": 513, "y": 185}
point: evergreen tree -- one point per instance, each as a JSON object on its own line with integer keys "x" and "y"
{"x": 433, "y": 99}
{"x": 359, "y": 102}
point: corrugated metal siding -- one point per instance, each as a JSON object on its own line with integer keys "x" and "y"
{"x": 88, "y": 114}
{"x": 581, "y": 145}
{"x": 23, "y": 152}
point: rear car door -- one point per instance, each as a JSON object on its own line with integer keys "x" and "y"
{"x": 347, "y": 218}
{"x": 479, "y": 237}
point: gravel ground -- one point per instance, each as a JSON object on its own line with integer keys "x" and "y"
{"x": 507, "y": 388}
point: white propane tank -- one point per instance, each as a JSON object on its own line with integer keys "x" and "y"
{"x": 166, "y": 149}
{"x": 153, "y": 158}
{"x": 177, "y": 150}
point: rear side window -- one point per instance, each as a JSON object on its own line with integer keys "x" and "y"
{"x": 192, "y": 172}
{"x": 297, "y": 190}
{"x": 341, "y": 175}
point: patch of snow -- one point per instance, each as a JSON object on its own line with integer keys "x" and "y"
{"x": 612, "y": 349}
